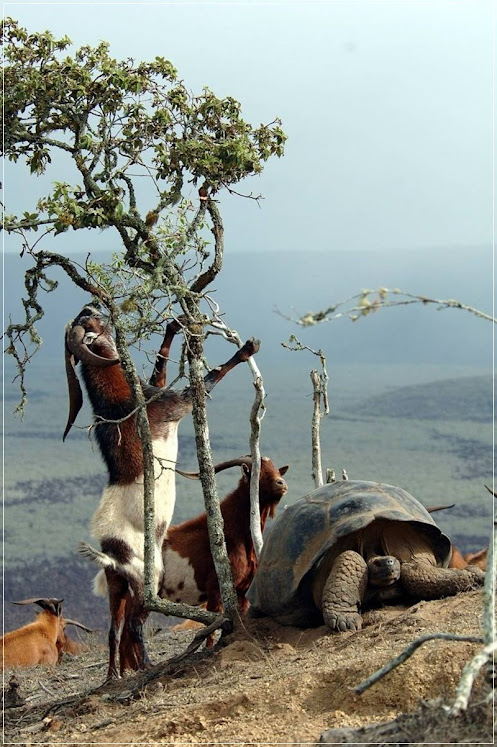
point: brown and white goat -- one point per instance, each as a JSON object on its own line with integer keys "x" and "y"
{"x": 118, "y": 521}
{"x": 41, "y": 641}
{"x": 190, "y": 576}
{"x": 189, "y": 573}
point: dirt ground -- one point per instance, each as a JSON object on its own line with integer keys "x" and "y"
{"x": 271, "y": 684}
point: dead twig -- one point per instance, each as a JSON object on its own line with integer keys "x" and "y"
{"x": 363, "y": 304}
{"x": 487, "y": 654}
{"x": 321, "y": 406}
{"x": 407, "y": 652}
{"x": 43, "y": 687}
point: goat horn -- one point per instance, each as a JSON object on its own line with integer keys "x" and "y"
{"x": 52, "y": 604}
{"x": 432, "y": 509}
{"x": 40, "y": 600}
{"x": 74, "y": 340}
{"x": 79, "y": 625}
{"x": 219, "y": 467}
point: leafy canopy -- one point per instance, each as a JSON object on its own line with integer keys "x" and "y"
{"x": 132, "y": 135}
{"x": 117, "y": 119}
{"x": 131, "y": 138}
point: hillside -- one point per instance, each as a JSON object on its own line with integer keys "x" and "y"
{"x": 465, "y": 398}
{"x": 270, "y": 684}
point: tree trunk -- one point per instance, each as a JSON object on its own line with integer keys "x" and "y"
{"x": 215, "y": 523}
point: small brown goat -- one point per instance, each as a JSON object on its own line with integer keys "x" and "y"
{"x": 189, "y": 573}
{"x": 41, "y": 641}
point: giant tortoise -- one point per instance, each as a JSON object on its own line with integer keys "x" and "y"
{"x": 348, "y": 545}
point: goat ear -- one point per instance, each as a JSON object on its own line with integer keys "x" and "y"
{"x": 75, "y": 393}
{"x": 245, "y": 471}
{"x": 51, "y": 605}
{"x": 284, "y": 469}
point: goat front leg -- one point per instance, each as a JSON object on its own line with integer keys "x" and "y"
{"x": 159, "y": 376}
{"x": 241, "y": 356}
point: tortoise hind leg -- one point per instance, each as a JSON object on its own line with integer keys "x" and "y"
{"x": 426, "y": 581}
{"x": 344, "y": 591}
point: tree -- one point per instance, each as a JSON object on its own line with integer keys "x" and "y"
{"x": 132, "y": 137}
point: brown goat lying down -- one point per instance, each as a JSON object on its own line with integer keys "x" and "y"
{"x": 458, "y": 560}
{"x": 43, "y": 641}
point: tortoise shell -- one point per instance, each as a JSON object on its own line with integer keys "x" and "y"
{"x": 307, "y": 529}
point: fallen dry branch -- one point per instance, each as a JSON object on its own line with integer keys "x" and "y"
{"x": 429, "y": 723}
{"x": 407, "y": 652}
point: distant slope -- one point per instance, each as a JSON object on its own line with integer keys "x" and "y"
{"x": 467, "y": 398}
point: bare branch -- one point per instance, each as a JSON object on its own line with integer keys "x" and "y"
{"x": 363, "y": 305}
{"x": 487, "y": 654}
{"x": 407, "y": 652}
{"x": 256, "y": 415}
{"x": 321, "y": 405}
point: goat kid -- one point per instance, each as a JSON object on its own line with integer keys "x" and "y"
{"x": 41, "y": 641}
{"x": 118, "y": 522}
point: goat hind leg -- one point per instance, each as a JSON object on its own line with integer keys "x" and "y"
{"x": 158, "y": 377}
{"x": 138, "y": 643}
{"x": 132, "y": 650}
{"x": 117, "y": 603}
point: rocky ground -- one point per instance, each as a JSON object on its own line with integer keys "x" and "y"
{"x": 270, "y": 684}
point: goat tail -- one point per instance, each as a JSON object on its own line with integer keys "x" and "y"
{"x": 90, "y": 553}
{"x": 106, "y": 562}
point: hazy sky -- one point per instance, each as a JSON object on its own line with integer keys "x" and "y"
{"x": 387, "y": 106}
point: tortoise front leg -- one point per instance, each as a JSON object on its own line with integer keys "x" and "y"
{"x": 344, "y": 591}
{"x": 426, "y": 581}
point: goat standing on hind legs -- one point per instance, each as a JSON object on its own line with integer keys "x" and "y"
{"x": 118, "y": 522}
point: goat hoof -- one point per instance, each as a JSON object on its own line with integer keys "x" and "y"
{"x": 250, "y": 348}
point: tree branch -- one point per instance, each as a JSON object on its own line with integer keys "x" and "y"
{"x": 321, "y": 405}
{"x": 407, "y": 652}
{"x": 364, "y": 305}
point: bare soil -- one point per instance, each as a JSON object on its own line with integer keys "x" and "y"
{"x": 270, "y": 684}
